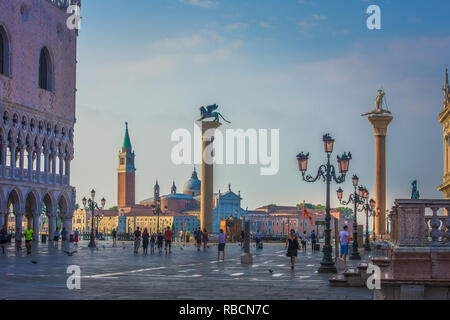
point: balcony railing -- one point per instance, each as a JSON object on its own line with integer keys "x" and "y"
{"x": 63, "y": 4}
{"x": 37, "y": 177}
{"x": 421, "y": 223}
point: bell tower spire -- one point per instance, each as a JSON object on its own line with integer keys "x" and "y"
{"x": 126, "y": 173}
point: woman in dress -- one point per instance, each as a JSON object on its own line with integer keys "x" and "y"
{"x": 145, "y": 237}
{"x": 292, "y": 246}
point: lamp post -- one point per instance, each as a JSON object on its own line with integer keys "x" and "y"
{"x": 92, "y": 205}
{"x": 156, "y": 208}
{"x": 369, "y": 210}
{"x": 357, "y": 198}
{"x": 328, "y": 173}
{"x": 99, "y": 219}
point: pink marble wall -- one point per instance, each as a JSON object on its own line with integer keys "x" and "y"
{"x": 28, "y": 33}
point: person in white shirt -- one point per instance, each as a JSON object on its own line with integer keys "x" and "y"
{"x": 344, "y": 235}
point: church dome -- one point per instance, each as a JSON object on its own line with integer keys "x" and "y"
{"x": 192, "y": 187}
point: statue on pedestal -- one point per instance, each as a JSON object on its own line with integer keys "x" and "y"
{"x": 380, "y": 101}
{"x": 415, "y": 192}
{"x": 209, "y": 112}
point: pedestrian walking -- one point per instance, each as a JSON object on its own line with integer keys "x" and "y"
{"x": 242, "y": 238}
{"x": 344, "y": 235}
{"x": 28, "y": 233}
{"x": 114, "y": 236}
{"x": 222, "y": 241}
{"x": 258, "y": 240}
{"x": 160, "y": 242}
{"x": 56, "y": 236}
{"x": 64, "y": 235}
{"x": 76, "y": 237}
{"x": 137, "y": 240}
{"x": 304, "y": 241}
{"x": 168, "y": 238}
{"x": 313, "y": 240}
{"x": 292, "y": 246}
{"x": 205, "y": 239}
{"x": 3, "y": 238}
{"x": 198, "y": 238}
{"x": 152, "y": 244}
{"x": 145, "y": 238}
{"x": 188, "y": 235}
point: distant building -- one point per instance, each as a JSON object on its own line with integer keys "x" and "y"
{"x": 278, "y": 220}
{"x": 227, "y": 205}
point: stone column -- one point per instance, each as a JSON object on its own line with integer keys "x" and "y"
{"x": 19, "y": 220}
{"x": 36, "y": 225}
{"x": 21, "y": 160}
{"x": 4, "y": 155}
{"x": 67, "y": 223}
{"x": 53, "y": 179}
{"x": 2, "y": 220}
{"x": 67, "y": 172}
{"x": 38, "y": 165}
{"x": 380, "y": 124}
{"x": 46, "y": 165}
{"x": 207, "y": 193}
{"x": 30, "y": 164}
{"x": 51, "y": 227}
{"x": 13, "y": 161}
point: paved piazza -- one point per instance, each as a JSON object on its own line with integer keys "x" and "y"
{"x": 116, "y": 273}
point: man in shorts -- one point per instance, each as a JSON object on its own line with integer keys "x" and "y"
{"x": 137, "y": 240}
{"x": 222, "y": 241}
{"x": 168, "y": 238}
{"x": 344, "y": 235}
{"x": 28, "y": 239}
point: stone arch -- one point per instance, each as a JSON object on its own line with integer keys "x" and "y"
{"x": 6, "y": 117}
{"x": 64, "y": 206}
{"x": 14, "y": 208}
{"x": 32, "y": 210}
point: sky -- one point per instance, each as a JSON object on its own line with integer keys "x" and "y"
{"x": 305, "y": 67}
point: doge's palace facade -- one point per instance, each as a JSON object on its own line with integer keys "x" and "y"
{"x": 37, "y": 114}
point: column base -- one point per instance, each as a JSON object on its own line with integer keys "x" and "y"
{"x": 327, "y": 268}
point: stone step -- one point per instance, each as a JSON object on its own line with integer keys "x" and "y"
{"x": 381, "y": 261}
{"x": 338, "y": 280}
{"x": 354, "y": 278}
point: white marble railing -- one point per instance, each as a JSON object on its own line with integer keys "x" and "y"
{"x": 37, "y": 177}
{"x": 412, "y": 225}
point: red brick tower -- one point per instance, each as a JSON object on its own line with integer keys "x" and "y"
{"x": 126, "y": 174}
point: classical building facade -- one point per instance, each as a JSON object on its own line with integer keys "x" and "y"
{"x": 37, "y": 109}
{"x": 444, "y": 119}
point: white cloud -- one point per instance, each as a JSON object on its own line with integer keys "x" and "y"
{"x": 201, "y": 3}
{"x": 236, "y": 26}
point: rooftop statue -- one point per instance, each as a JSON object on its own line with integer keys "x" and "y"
{"x": 380, "y": 101}
{"x": 415, "y": 192}
{"x": 209, "y": 112}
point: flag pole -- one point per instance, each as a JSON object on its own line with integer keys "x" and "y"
{"x": 303, "y": 221}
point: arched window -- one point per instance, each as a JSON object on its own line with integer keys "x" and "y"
{"x": 4, "y": 52}
{"x": 45, "y": 70}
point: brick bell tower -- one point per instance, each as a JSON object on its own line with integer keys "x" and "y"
{"x": 126, "y": 174}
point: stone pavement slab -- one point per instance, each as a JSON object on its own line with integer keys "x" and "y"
{"x": 117, "y": 273}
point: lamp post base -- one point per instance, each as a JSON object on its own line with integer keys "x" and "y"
{"x": 367, "y": 247}
{"x": 355, "y": 256}
{"x": 327, "y": 268}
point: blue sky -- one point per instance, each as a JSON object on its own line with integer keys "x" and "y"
{"x": 306, "y": 67}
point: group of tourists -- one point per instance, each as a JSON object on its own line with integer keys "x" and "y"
{"x": 154, "y": 240}
{"x": 201, "y": 237}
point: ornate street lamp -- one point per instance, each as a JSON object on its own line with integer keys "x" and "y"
{"x": 156, "y": 208}
{"x": 357, "y": 198}
{"x": 328, "y": 173}
{"x": 369, "y": 210}
{"x": 92, "y": 205}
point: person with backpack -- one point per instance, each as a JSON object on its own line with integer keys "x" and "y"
{"x": 145, "y": 239}
{"x": 152, "y": 244}
{"x": 205, "y": 239}
{"x": 313, "y": 240}
{"x": 160, "y": 242}
{"x": 137, "y": 240}
{"x": 198, "y": 237}
{"x": 114, "y": 236}
{"x": 304, "y": 241}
